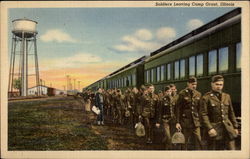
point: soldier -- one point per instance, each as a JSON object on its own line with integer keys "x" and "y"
{"x": 99, "y": 101}
{"x": 175, "y": 96}
{"x": 128, "y": 107}
{"x": 120, "y": 107}
{"x": 113, "y": 105}
{"x": 107, "y": 101}
{"x": 218, "y": 116}
{"x": 149, "y": 102}
{"x": 135, "y": 103}
{"x": 187, "y": 114}
{"x": 165, "y": 115}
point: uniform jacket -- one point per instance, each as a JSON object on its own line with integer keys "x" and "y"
{"x": 119, "y": 102}
{"x": 149, "y": 104}
{"x": 165, "y": 111}
{"x": 99, "y": 99}
{"x": 135, "y": 103}
{"x": 217, "y": 112}
{"x": 187, "y": 108}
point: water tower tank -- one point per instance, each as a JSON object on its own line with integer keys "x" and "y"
{"x": 24, "y": 26}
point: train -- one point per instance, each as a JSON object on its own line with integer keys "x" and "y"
{"x": 214, "y": 48}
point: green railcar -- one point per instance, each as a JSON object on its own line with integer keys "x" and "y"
{"x": 214, "y": 48}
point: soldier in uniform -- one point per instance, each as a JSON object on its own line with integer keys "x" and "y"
{"x": 120, "y": 106}
{"x": 108, "y": 102}
{"x": 128, "y": 108}
{"x": 165, "y": 115}
{"x": 113, "y": 105}
{"x": 99, "y": 102}
{"x": 149, "y": 101}
{"x": 187, "y": 114}
{"x": 175, "y": 96}
{"x": 218, "y": 116}
{"x": 136, "y": 107}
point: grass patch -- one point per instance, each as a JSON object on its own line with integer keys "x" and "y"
{"x": 51, "y": 125}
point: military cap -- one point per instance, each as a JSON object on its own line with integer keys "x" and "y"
{"x": 167, "y": 88}
{"x": 143, "y": 87}
{"x": 217, "y": 78}
{"x": 172, "y": 85}
{"x": 192, "y": 79}
{"x": 150, "y": 85}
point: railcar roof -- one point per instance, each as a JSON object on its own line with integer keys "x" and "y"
{"x": 126, "y": 67}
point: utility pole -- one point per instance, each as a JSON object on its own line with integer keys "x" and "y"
{"x": 79, "y": 85}
{"x": 74, "y": 84}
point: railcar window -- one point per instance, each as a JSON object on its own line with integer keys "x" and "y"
{"x": 169, "y": 71}
{"x": 176, "y": 70}
{"x": 182, "y": 68}
{"x": 212, "y": 62}
{"x": 223, "y": 59}
{"x": 163, "y": 68}
{"x": 158, "y": 72}
{"x": 152, "y": 75}
{"x": 199, "y": 65}
{"x": 124, "y": 81}
{"x": 127, "y": 82}
{"x": 238, "y": 56}
{"x": 133, "y": 80}
{"x": 130, "y": 80}
{"x": 192, "y": 66}
{"x": 147, "y": 76}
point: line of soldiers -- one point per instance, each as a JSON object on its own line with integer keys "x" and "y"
{"x": 208, "y": 118}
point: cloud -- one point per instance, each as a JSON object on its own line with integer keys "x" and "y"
{"x": 144, "y": 41}
{"x": 143, "y": 34}
{"x": 166, "y": 34}
{"x": 194, "y": 24}
{"x": 57, "y": 35}
{"x": 132, "y": 43}
{"x": 139, "y": 42}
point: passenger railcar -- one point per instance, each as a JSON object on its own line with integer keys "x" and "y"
{"x": 214, "y": 48}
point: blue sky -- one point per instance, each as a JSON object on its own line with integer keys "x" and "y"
{"x": 93, "y": 42}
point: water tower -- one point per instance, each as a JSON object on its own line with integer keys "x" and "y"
{"x": 23, "y": 47}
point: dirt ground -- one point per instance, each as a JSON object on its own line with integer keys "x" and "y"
{"x": 119, "y": 137}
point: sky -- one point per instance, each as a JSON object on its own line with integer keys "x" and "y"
{"x": 90, "y": 43}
